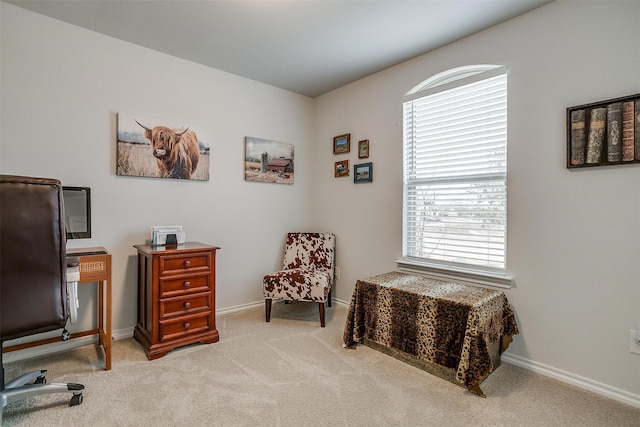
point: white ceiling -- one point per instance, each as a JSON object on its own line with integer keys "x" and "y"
{"x": 306, "y": 46}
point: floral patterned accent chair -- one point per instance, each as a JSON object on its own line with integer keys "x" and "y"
{"x": 307, "y": 272}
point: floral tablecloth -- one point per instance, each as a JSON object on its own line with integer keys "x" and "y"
{"x": 445, "y": 323}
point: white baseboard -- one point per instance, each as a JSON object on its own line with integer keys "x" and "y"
{"x": 260, "y": 303}
{"x": 41, "y": 350}
{"x": 241, "y": 307}
{"x": 61, "y": 346}
{"x": 565, "y": 377}
{"x": 575, "y": 380}
{"x": 341, "y": 302}
{"x": 549, "y": 371}
{"x": 121, "y": 334}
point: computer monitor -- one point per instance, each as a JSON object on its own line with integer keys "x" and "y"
{"x": 77, "y": 212}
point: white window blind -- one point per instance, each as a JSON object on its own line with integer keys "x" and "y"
{"x": 455, "y": 169}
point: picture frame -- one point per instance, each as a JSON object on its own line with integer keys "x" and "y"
{"x": 363, "y": 172}
{"x": 363, "y": 149}
{"x": 138, "y": 141}
{"x": 342, "y": 143}
{"x": 341, "y": 168}
{"x": 268, "y": 161}
{"x": 604, "y": 133}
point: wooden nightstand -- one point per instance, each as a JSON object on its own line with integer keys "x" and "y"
{"x": 176, "y": 297}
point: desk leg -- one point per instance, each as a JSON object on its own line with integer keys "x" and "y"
{"x": 104, "y": 320}
{"x": 101, "y": 338}
{"x": 108, "y": 320}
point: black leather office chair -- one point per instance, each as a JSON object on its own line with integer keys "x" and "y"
{"x": 33, "y": 288}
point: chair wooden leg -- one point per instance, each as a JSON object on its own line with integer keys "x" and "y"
{"x": 321, "y": 308}
{"x": 329, "y": 300}
{"x": 267, "y": 309}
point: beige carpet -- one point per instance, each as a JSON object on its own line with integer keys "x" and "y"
{"x": 291, "y": 372}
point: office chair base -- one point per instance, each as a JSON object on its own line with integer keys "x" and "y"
{"x": 34, "y": 377}
{"x": 18, "y": 389}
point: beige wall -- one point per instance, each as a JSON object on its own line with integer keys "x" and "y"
{"x": 62, "y": 87}
{"x": 572, "y": 235}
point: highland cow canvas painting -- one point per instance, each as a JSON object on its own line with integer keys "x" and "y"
{"x": 160, "y": 148}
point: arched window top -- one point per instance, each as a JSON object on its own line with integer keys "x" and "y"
{"x": 455, "y": 74}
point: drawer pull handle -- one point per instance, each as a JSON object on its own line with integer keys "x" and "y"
{"x": 187, "y": 305}
{"x": 187, "y": 325}
{"x": 187, "y": 284}
{"x": 187, "y": 263}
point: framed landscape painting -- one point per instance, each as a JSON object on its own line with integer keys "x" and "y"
{"x": 363, "y": 173}
{"x": 342, "y": 144}
{"x": 268, "y": 161}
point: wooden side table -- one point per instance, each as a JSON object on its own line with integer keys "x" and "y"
{"x": 176, "y": 297}
{"x": 95, "y": 267}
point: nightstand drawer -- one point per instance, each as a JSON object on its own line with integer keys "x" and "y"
{"x": 184, "y": 285}
{"x": 179, "y": 264}
{"x": 184, "y": 305}
{"x": 184, "y": 327}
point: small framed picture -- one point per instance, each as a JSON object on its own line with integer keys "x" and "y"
{"x": 363, "y": 172}
{"x": 341, "y": 168}
{"x": 342, "y": 143}
{"x": 363, "y": 149}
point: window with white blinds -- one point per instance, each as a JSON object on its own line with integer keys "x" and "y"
{"x": 455, "y": 170}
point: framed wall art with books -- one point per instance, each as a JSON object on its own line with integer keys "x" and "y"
{"x": 604, "y": 133}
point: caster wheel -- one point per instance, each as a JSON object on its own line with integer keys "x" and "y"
{"x": 40, "y": 380}
{"x": 76, "y": 400}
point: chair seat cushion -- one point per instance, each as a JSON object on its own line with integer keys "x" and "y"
{"x": 302, "y": 284}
